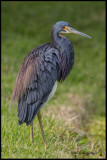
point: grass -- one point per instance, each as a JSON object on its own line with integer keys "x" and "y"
{"x": 74, "y": 120}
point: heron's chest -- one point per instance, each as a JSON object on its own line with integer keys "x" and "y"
{"x": 66, "y": 63}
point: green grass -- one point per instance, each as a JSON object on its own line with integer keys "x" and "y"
{"x": 74, "y": 120}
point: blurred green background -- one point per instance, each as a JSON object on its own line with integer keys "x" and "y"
{"x": 74, "y": 120}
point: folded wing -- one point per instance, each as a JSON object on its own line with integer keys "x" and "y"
{"x": 35, "y": 80}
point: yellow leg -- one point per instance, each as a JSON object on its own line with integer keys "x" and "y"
{"x": 31, "y": 132}
{"x": 41, "y": 126}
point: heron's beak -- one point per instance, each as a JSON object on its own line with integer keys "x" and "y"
{"x": 71, "y": 30}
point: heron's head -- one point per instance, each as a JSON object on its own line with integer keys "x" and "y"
{"x": 64, "y": 27}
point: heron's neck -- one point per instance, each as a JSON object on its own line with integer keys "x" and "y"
{"x": 61, "y": 42}
{"x": 66, "y": 57}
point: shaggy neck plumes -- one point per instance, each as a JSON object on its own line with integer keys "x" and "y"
{"x": 66, "y": 57}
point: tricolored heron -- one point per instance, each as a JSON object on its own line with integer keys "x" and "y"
{"x": 40, "y": 72}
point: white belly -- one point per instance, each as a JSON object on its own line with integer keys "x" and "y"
{"x": 53, "y": 90}
{"x": 52, "y": 93}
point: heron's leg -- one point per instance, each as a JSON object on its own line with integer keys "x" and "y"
{"x": 31, "y": 132}
{"x": 41, "y": 126}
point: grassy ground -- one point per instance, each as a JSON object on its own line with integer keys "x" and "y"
{"x": 74, "y": 120}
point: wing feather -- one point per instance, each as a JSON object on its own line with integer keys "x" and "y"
{"x": 35, "y": 80}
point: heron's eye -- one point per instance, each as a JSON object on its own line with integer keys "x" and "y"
{"x": 63, "y": 27}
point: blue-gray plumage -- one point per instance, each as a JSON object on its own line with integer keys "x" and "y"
{"x": 43, "y": 78}
{"x": 41, "y": 69}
